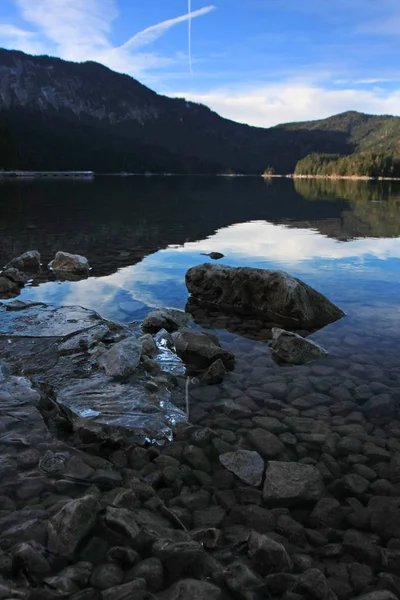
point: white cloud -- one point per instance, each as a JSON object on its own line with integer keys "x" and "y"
{"x": 268, "y": 105}
{"x": 80, "y": 30}
{"x": 13, "y": 37}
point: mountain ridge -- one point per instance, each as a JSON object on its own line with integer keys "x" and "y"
{"x": 84, "y": 116}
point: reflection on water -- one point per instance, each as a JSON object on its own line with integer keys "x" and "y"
{"x": 141, "y": 235}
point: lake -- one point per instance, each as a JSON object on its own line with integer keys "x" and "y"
{"x": 327, "y": 428}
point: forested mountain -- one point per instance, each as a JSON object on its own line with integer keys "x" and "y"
{"x": 61, "y": 115}
{"x": 361, "y": 164}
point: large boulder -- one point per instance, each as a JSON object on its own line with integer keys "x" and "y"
{"x": 70, "y": 263}
{"x": 288, "y": 483}
{"x": 169, "y": 319}
{"x": 28, "y": 261}
{"x": 273, "y": 296}
{"x": 200, "y": 349}
{"x": 291, "y": 348}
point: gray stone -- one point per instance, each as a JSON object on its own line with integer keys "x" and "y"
{"x": 290, "y": 483}
{"x": 122, "y": 359}
{"x": 106, "y": 576}
{"x": 197, "y": 458}
{"x": 385, "y": 516}
{"x": 265, "y": 442}
{"x": 149, "y": 347}
{"x": 68, "y": 527}
{"x": 169, "y": 319}
{"x": 380, "y": 407}
{"x": 270, "y": 424}
{"x": 267, "y": 555}
{"x": 28, "y": 261}
{"x": 200, "y": 349}
{"x": 215, "y": 373}
{"x": 270, "y": 295}
{"x": 292, "y": 348}
{"x": 16, "y": 276}
{"x": 245, "y": 464}
{"x": 124, "y": 555}
{"x": 30, "y": 556}
{"x": 64, "y": 261}
{"x": 151, "y": 570}
{"x": 121, "y": 520}
{"x": 134, "y": 590}
{"x": 191, "y": 589}
{"x": 378, "y": 595}
{"x": 71, "y": 579}
{"x": 313, "y": 584}
{"x": 327, "y": 513}
{"x": 242, "y": 581}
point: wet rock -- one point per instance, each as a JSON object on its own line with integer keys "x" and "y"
{"x": 355, "y": 484}
{"x": 209, "y": 537}
{"x": 70, "y": 263}
{"x": 289, "y": 483}
{"x": 210, "y": 517}
{"x": 121, "y": 520}
{"x": 385, "y": 516}
{"x": 197, "y": 458}
{"x": 28, "y": 261}
{"x": 270, "y": 424}
{"x": 242, "y": 581}
{"x": 292, "y": 348}
{"x": 328, "y": 512}
{"x": 270, "y": 295}
{"x": 134, "y": 590}
{"x": 193, "y": 590}
{"x": 86, "y": 594}
{"x": 380, "y": 407}
{"x": 214, "y": 255}
{"x": 106, "y": 576}
{"x": 215, "y": 373}
{"x": 123, "y": 555}
{"x": 169, "y": 319}
{"x": 151, "y": 570}
{"x": 31, "y": 558}
{"x": 149, "y": 347}
{"x": 68, "y": 527}
{"x": 180, "y": 558}
{"x": 361, "y": 547}
{"x": 245, "y": 464}
{"x": 16, "y": 276}
{"x": 360, "y": 576}
{"x": 313, "y": 584}
{"x": 200, "y": 349}
{"x": 267, "y": 555}
{"x": 251, "y": 517}
{"x": 71, "y": 579}
{"x": 266, "y": 443}
{"x": 378, "y": 595}
{"x": 122, "y": 359}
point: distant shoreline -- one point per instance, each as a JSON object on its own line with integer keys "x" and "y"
{"x": 46, "y": 174}
{"x": 354, "y": 177}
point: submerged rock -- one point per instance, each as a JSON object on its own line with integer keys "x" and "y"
{"x": 274, "y": 296}
{"x": 245, "y": 464}
{"x": 66, "y": 262}
{"x": 169, "y": 319}
{"x": 215, "y": 373}
{"x": 69, "y": 526}
{"x": 290, "y": 483}
{"x": 28, "y": 261}
{"x": 292, "y": 348}
{"x": 199, "y": 349}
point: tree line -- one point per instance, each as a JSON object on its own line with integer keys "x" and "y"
{"x": 363, "y": 164}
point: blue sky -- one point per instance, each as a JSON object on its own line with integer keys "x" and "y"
{"x": 255, "y": 61}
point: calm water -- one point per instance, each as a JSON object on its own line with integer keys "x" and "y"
{"x": 142, "y": 234}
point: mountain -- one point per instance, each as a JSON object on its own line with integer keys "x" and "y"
{"x": 60, "y": 115}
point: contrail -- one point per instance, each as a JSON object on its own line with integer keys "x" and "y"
{"x": 190, "y": 36}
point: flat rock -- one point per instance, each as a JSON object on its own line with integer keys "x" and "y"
{"x": 245, "y": 464}
{"x": 292, "y": 348}
{"x": 275, "y": 296}
{"x": 290, "y": 483}
{"x": 265, "y": 442}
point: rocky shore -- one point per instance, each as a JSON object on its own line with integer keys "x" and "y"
{"x": 126, "y": 476}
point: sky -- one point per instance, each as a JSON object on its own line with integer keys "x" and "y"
{"x": 261, "y": 62}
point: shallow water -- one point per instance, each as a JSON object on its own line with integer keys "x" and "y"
{"x": 140, "y": 236}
